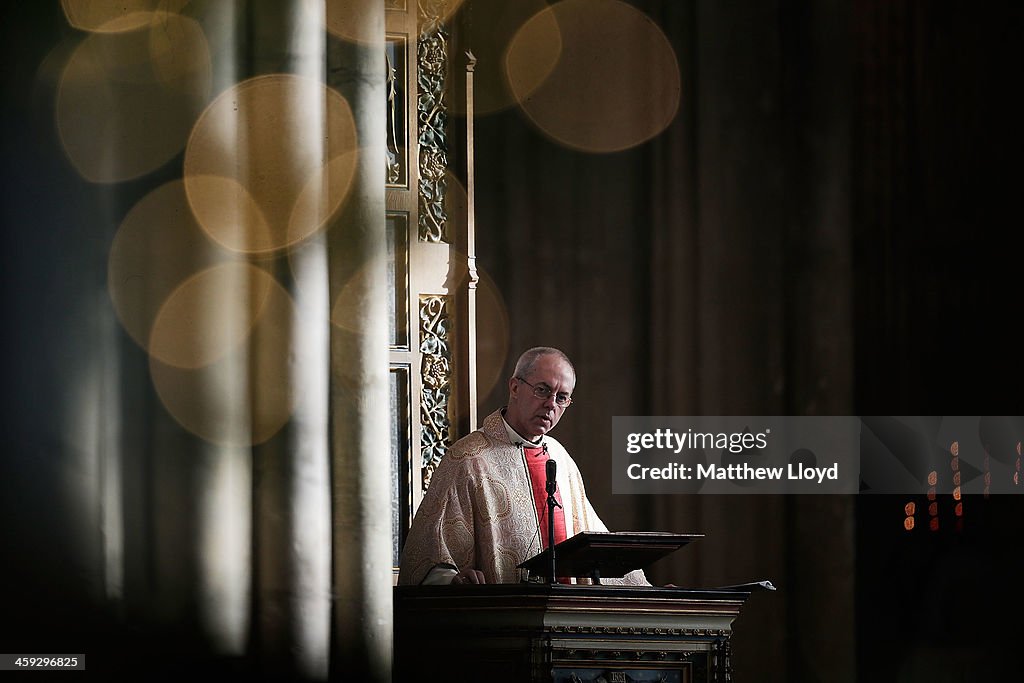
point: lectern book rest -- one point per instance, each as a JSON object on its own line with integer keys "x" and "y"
{"x": 598, "y": 555}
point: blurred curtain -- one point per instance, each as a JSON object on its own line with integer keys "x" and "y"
{"x": 196, "y": 413}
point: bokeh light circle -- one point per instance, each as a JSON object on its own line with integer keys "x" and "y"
{"x": 321, "y": 196}
{"x": 359, "y": 294}
{"x": 347, "y": 307}
{"x": 495, "y": 23}
{"x": 270, "y": 161}
{"x": 210, "y": 314}
{"x": 244, "y": 397}
{"x": 158, "y": 246}
{"x": 348, "y": 19}
{"x": 113, "y": 16}
{"x": 616, "y": 83}
{"x": 126, "y": 101}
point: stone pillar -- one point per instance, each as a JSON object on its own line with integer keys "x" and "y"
{"x": 360, "y": 447}
{"x": 292, "y": 485}
{"x": 220, "y": 474}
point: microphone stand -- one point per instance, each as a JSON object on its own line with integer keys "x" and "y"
{"x": 550, "y": 487}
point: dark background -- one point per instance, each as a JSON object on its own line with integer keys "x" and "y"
{"x": 829, "y": 226}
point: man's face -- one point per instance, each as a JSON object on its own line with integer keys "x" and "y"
{"x": 532, "y": 416}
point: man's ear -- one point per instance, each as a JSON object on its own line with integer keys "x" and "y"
{"x": 513, "y": 387}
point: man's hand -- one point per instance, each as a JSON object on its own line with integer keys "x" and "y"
{"x": 469, "y": 576}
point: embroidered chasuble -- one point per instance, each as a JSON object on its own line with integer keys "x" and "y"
{"x": 480, "y": 512}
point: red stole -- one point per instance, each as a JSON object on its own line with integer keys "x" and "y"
{"x": 536, "y": 460}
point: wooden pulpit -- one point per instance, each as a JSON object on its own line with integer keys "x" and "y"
{"x": 540, "y": 632}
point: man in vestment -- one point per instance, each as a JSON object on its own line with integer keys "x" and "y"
{"x": 486, "y": 509}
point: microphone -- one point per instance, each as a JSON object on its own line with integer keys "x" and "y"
{"x": 550, "y": 469}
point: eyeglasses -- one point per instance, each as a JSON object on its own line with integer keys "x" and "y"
{"x": 544, "y": 392}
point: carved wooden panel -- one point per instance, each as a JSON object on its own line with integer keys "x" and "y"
{"x": 432, "y": 69}
{"x": 421, "y": 256}
{"x": 436, "y": 372}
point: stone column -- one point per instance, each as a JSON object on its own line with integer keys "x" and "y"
{"x": 360, "y": 447}
{"x": 292, "y": 473}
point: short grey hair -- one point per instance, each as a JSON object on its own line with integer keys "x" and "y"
{"x": 530, "y": 357}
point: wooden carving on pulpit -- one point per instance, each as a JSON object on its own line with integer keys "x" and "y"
{"x": 533, "y": 632}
